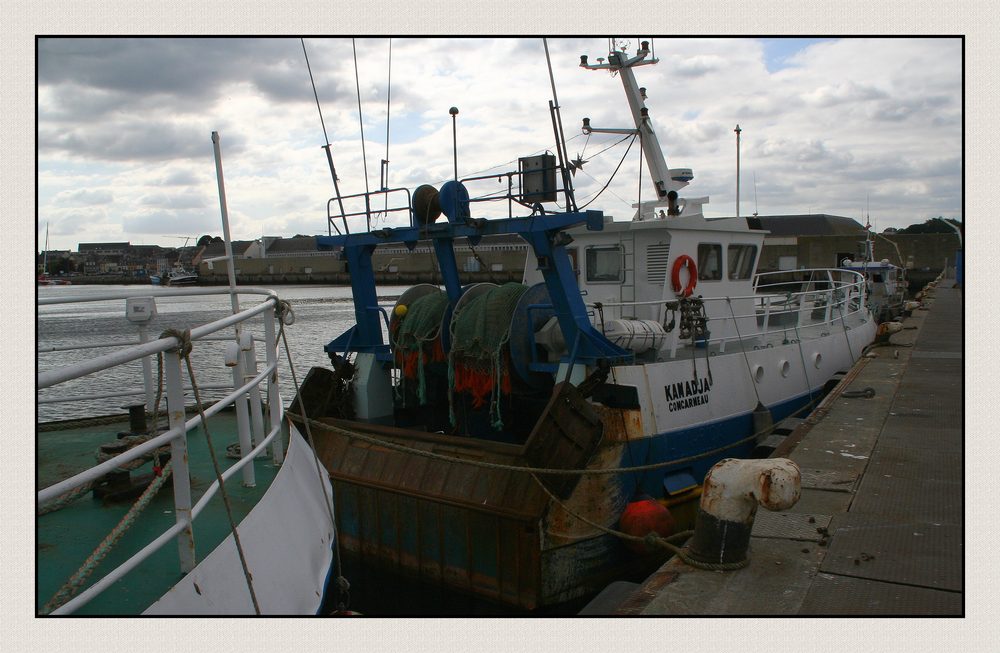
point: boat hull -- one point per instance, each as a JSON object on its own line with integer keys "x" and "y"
{"x": 497, "y": 534}
{"x": 288, "y": 542}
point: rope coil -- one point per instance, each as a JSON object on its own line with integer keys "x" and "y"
{"x": 184, "y": 346}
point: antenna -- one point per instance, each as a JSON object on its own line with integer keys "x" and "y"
{"x": 737, "y": 130}
{"x": 755, "y": 194}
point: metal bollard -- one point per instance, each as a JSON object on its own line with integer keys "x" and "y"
{"x": 732, "y": 491}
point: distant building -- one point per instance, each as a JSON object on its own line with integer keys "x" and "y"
{"x": 797, "y": 241}
{"x": 297, "y": 246}
{"x": 103, "y": 249}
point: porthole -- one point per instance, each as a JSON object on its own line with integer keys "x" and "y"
{"x": 785, "y": 368}
{"x": 758, "y": 373}
{"x": 817, "y": 359}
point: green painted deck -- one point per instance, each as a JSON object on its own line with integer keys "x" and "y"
{"x": 66, "y": 538}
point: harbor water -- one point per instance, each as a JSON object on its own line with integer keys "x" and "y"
{"x": 321, "y": 314}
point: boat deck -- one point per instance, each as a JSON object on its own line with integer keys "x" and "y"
{"x": 67, "y": 536}
{"x": 879, "y": 529}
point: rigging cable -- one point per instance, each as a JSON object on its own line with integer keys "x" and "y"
{"x": 329, "y": 156}
{"x": 326, "y": 139}
{"x": 364, "y": 156}
{"x": 612, "y": 177}
{"x": 388, "y": 107}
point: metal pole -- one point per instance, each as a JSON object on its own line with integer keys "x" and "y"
{"x": 737, "y": 130}
{"x": 179, "y": 458}
{"x": 239, "y": 373}
{"x": 454, "y": 138}
{"x": 234, "y": 360}
{"x": 250, "y": 365}
{"x": 273, "y": 395}
{"x": 147, "y": 371}
{"x": 216, "y": 142}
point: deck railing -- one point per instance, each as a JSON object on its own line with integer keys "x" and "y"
{"x": 246, "y": 384}
{"x": 781, "y": 304}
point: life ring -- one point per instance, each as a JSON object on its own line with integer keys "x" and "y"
{"x": 684, "y": 261}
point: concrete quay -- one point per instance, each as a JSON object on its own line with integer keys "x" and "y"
{"x": 879, "y": 529}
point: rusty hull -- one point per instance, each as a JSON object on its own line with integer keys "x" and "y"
{"x": 479, "y": 530}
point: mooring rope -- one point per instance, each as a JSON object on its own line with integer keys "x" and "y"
{"x": 77, "y": 580}
{"x": 866, "y": 393}
{"x": 183, "y": 351}
{"x": 650, "y": 539}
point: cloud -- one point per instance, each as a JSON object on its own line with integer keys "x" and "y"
{"x": 698, "y": 66}
{"x": 181, "y": 200}
{"x": 131, "y": 140}
{"x": 181, "y": 178}
{"x": 843, "y": 93}
{"x": 170, "y": 222}
{"x": 83, "y": 197}
{"x": 132, "y": 118}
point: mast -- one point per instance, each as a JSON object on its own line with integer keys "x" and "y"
{"x": 45, "y": 253}
{"x": 664, "y": 179}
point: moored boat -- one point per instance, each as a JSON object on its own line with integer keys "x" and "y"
{"x": 249, "y": 528}
{"x": 886, "y": 283}
{"x": 499, "y": 438}
{"x": 179, "y": 277}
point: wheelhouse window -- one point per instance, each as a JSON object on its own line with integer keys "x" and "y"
{"x": 709, "y": 262}
{"x": 604, "y": 264}
{"x": 741, "y": 260}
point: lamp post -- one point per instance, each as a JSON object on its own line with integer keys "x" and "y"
{"x": 454, "y": 138}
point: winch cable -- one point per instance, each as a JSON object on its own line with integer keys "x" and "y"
{"x": 281, "y": 309}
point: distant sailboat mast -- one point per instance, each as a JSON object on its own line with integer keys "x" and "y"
{"x": 45, "y": 253}
{"x": 755, "y": 194}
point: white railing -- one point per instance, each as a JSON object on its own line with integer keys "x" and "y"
{"x": 780, "y": 305}
{"x": 246, "y": 384}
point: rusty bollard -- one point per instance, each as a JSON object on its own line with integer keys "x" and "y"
{"x": 732, "y": 491}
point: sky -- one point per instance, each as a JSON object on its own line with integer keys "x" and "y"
{"x": 846, "y": 126}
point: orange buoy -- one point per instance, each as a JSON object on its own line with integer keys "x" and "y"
{"x": 643, "y": 516}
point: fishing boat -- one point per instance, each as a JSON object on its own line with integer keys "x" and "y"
{"x": 497, "y": 438}
{"x": 179, "y": 277}
{"x": 131, "y": 516}
{"x": 886, "y": 283}
{"x": 187, "y": 505}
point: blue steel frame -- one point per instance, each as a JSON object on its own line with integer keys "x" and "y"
{"x": 542, "y": 232}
